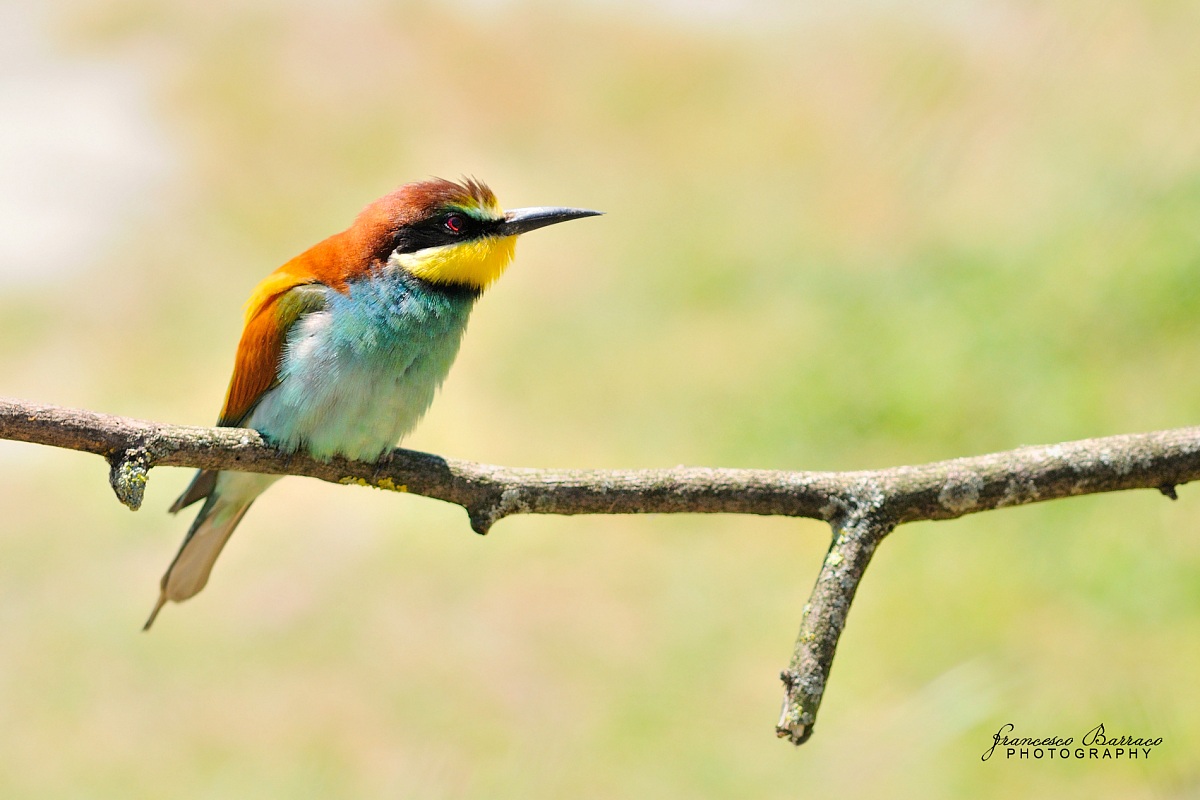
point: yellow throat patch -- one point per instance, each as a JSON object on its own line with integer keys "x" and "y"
{"x": 476, "y": 263}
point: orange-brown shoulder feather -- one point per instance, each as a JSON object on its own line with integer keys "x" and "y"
{"x": 260, "y": 347}
{"x": 274, "y": 307}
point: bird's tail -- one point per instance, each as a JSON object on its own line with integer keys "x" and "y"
{"x": 223, "y": 509}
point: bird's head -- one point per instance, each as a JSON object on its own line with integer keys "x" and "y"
{"x": 451, "y": 234}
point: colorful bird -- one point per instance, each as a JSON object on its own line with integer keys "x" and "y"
{"x": 345, "y": 345}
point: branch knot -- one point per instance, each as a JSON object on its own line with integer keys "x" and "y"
{"x": 128, "y": 473}
{"x": 862, "y": 507}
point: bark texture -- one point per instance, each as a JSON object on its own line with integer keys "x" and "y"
{"x": 862, "y": 507}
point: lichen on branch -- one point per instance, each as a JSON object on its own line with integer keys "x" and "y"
{"x": 862, "y": 507}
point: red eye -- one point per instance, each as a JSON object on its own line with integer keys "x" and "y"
{"x": 454, "y": 223}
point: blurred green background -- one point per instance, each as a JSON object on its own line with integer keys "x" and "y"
{"x": 854, "y": 235}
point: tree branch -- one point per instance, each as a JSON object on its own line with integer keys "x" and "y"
{"x": 862, "y": 507}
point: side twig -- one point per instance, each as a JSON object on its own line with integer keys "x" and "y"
{"x": 862, "y": 507}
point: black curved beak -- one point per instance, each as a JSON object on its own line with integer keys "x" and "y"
{"x": 524, "y": 220}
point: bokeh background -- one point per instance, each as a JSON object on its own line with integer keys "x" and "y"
{"x": 843, "y": 235}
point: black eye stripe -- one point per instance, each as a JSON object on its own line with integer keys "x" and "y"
{"x": 434, "y": 232}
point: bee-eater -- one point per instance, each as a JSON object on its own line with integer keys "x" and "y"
{"x": 345, "y": 345}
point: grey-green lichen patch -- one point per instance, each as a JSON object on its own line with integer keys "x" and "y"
{"x": 382, "y": 483}
{"x": 1018, "y": 490}
{"x": 128, "y": 477}
{"x": 960, "y": 492}
{"x": 512, "y": 501}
